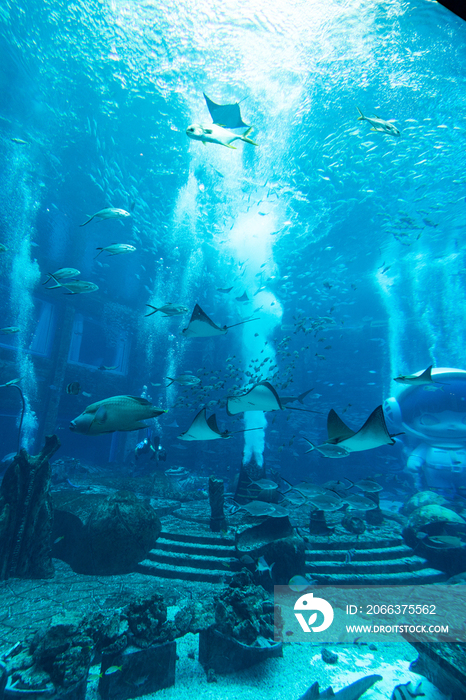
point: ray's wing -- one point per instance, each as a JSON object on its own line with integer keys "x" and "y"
{"x": 426, "y": 376}
{"x": 373, "y": 433}
{"x": 201, "y": 326}
{"x": 225, "y": 115}
{"x": 201, "y": 428}
{"x": 262, "y": 397}
{"x": 336, "y": 429}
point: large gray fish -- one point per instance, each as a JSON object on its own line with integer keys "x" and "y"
{"x": 184, "y": 380}
{"x": 75, "y": 286}
{"x": 168, "y": 309}
{"x": 115, "y": 413}
{"x": 61, "y": 274}
{"x": 380, "y": 125}
{"x": 116, "y": 249}
{"x": 109, "y": 213}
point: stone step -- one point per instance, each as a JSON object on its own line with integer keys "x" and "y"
{"x": 198, "y": 561}
{"x": 169, "y": 545}
{"x": 184, "y": 573}
{"x": 379, "y": 553}
{"x": 198, "y": 539}
{"x": 402, "y": 578}
{"x": 322, "y": 542}
{"x": 366, "y": 567}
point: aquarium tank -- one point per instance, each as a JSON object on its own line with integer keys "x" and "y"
{"x": 232, "y": 385}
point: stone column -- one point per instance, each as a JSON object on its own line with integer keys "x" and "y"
{"x": 217, "y": 517}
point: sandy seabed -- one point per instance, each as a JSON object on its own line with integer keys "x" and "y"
{"x": 288, "y": 678}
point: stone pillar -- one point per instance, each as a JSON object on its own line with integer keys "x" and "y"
{"x": 317, "y": 523}
{"x": 26, "y": 515}
{"x": 374, "y": 516}
{"x": 217, "y": 517}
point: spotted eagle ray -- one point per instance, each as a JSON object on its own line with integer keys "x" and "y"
{"x": 342, "y": 440}
{"x": 261, "y": 397}
{"x": 418, "y": 379}
{"x": 201, "y": 326}
{"x": 225, "y": 115}
{"x": 203, "y": 428}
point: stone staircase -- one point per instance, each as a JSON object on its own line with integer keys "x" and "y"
{"x": 192, "y": 557}
{"x": 199, "y": 557}
{"x": 383, "y": 562}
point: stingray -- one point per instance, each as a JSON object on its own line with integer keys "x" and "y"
{"x": 416, "y": 379}
{"x": 262, "y": 397}
{"x": 201, "y": 326}
{"x": 203, "y": 428}
{"x": 243, "y": 297}
{"x": 342, "y": 440}
{"x": 374, "y": 432}
{"x": 228, "y": 116}
{"x": 419, "y": 379}
{"x": 349, "y": 692}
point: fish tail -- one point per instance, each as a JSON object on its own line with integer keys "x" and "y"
{"x": 49, "y": 276}
{"x": 244, "y": 137}
{"x": 152, "y": 312}
{"x": 55, "y": 280}
{"x": 171, "y": 381}
{"x": 303, "y": 395}
{"x": 311, "y": 444}
{"x": 99, "y": 249}
{"x": 362, "y": 115}
{"x": 86, "y": 222}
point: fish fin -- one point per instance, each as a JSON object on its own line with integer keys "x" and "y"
{"x": 140, "y": 400}
{"x": 152, "y": 312}
{"x": 362, "y": 115}
{"x": 101, "y": 415}
{"x": 427, "y": 374}
{"x": 244, "y": 137}
{"x": 228, "y": 145}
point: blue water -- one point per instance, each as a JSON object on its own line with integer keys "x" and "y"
{"x": 360, "y": 228}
